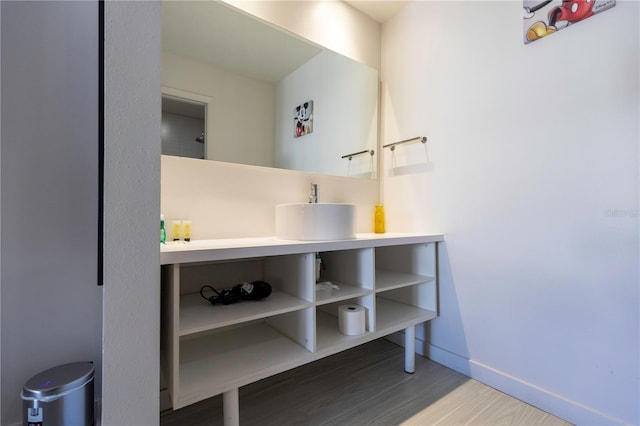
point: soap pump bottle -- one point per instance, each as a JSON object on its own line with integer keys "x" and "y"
{"x": 378, "y": 220}
{"x": 163, "y": 232}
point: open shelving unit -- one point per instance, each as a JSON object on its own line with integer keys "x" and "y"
{"x": 208, "y": 349}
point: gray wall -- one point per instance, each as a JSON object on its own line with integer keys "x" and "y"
{"x": 51, "y": 305}
{"x": 52, "y": 311}
{"x": 131, "y": 332}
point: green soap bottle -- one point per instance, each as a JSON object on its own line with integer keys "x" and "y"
{"x": 163, "y": 233}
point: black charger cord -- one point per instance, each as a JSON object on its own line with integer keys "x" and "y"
{"x": 225, "y": 297}
{"x": 254, "y": 290}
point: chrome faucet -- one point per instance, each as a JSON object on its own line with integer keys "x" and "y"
{"x": 313, "y": 197}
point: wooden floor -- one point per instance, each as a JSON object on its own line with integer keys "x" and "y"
{"x": 367, "y": 385}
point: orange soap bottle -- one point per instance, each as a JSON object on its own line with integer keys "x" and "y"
{"x": 378, "y": 220}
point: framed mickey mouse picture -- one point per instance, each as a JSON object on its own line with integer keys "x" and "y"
{"x": 544, "y": 17}
{"x": 303, "y": 119}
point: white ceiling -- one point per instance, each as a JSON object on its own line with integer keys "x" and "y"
{"x": 379, "y": 11}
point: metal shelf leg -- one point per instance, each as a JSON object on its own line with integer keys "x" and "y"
{"x": 231, "y": 408}
{"x": 410, "y": 349}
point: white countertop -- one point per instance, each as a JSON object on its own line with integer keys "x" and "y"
{"x": 238, "y": 248}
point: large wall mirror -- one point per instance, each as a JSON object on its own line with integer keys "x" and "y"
{"x": 237, "y": 89}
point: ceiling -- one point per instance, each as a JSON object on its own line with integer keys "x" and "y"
{"x": 380, "y": 11}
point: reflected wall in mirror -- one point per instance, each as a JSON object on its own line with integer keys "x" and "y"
{"x": 252, "y": 76}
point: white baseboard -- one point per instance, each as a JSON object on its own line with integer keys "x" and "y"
{"x": 543, "y": 399}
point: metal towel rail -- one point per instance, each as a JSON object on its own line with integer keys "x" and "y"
{"x": 422, "y": 139}
{"x": 350, "y": 156}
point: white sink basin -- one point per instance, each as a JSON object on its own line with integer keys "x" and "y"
{"x": 316, "y": 222}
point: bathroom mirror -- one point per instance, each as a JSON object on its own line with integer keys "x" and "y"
{"x": 270, "y": 98}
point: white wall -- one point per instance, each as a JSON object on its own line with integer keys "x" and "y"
{"x": 345, "y": 117}
{"x": 51, "y": 304}
{"x": 225, "y": 200}
{"x": 240, "y": 117}
{"x": 131, "y": 331}
{"x": 531, "y": 171}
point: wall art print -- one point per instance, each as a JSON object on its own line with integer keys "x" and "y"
{"x": 303, "y": 119}
{"x": 544, "y": 17}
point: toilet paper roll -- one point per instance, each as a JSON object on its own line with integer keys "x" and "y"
{"x": 351, "y": 319}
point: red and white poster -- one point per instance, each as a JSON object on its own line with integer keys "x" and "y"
{"x": 544, "y": 17}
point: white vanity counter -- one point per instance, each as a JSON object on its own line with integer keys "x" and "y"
{"x": 237, "y": 248}
{"x": 211, "y": 349}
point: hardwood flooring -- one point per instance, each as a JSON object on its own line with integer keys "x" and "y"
{"x": 367, "y": 385}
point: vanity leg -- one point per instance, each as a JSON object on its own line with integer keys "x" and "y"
{"x": 231, "y": 408}
{"x": 410, "y": 349}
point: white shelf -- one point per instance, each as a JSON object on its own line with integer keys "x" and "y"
{"x": 219, "y": 362}
{"x": 212, "y": 349}
{"x": 198, "y": 314}
{"x": 346, "y": 291}
{"x": 392, "y": 316}
{"x": 389, "y": 280}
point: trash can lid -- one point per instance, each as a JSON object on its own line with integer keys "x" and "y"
{"x": 57, "y": 380}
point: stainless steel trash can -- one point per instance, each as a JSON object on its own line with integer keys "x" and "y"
{"x": 60, "y": 396}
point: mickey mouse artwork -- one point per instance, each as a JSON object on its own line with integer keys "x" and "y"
{"x": 544, "y": 17}
{"x": 303, "y": 119}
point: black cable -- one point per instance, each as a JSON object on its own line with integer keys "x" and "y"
{"x": 254, "y": 290}
{"x": 224, "y": 297}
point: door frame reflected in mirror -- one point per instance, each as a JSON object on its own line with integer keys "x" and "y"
{"x": 195, "y": 99}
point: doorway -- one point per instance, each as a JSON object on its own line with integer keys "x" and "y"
{"x": 183, "y": 127}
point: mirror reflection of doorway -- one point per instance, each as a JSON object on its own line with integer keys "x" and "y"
{"x": 183, "y": 127}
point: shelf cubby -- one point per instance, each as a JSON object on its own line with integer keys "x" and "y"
{"x": 389, "y": 280}
{"x": 214, "y": 363}
{"x": 393, "y": 315}
{"x": 414, "y": 258}
{"x": 423, "y": 296}
{"x": 350, "y": 270}
{"x": 354, "y": 267}
{"x": 328, "y": 333}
